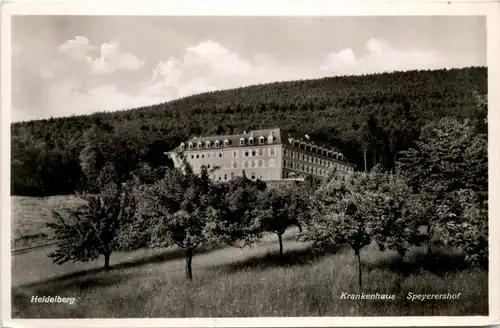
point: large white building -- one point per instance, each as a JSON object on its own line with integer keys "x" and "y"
{"x": 269, "y": 155}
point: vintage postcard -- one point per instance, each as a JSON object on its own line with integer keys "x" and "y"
{"x": 244, "y": 164}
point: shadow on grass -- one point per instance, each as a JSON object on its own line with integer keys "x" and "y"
{"x": 167, "y": 255}
{"x": 439, "y": 262}
{"x": 21, "y": 299}
{"x": 274, "y": 259}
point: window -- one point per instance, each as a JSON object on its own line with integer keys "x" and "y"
{"x": 253, "y": 163}
{"x": 235, "y": 165}
{"x": 242, "y": 141}
{"x": 192, "y": 156}
{"x": 235, "y": 154}
{"x": 220, "y": 154}
{"x": 208, "y": 166}
{"x": 202, "y": 155}
{"x": 200, "y": 144}
{"x": 309, "y": 158}
{"x": 270, "y": 139}
{"x": 246, "y": 153}
{"x": 190, "y": 145}
{"x": 226, "y": 143}
{"x": 261, "y": 152}
{"x": 261, "y": 140}
{"x": 183, "y": 146}
{"x": 253, "y": 175}
{"x": 253, "y": 152}
{"x": 217, "y": 144}
{"x": 208, "y": 155}
{"x": 261, "y": 176}
{"x": 232, "y": 175}
{"x": 245, "y": 163}
{"x": 220, "y": 178}
{"x": 272, "y": 151}
{"x": 250, "y": 141}
{"x": 207, "y": 145}
{"x": 261, "y": 163}
{"x": 225, "y": 176}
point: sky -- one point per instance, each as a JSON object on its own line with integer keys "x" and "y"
{"x": 73, "y": 65}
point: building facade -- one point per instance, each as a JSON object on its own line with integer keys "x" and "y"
{"x": 271, "y": 155}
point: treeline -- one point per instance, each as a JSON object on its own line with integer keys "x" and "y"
{"x": 371, "y": 118}
{"x": 441, "y": 184}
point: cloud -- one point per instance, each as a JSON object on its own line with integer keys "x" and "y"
{"x": 111, "y": 57}
{"x": 381, "y": 57}
{"x": 202, "y": 67}
{"x": 209, "y": 66}
{"x": 77, "y": 48}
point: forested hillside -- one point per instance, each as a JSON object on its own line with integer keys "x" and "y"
{"x": 371, "y": 118}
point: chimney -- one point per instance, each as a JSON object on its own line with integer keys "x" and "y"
{"x": 244, "y": 132}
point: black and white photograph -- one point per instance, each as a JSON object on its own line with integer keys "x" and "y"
{"x": 176, "y": 166}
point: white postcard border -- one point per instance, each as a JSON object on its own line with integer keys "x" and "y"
{"x": 491, "y": 9}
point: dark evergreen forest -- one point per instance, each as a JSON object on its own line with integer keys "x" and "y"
{"x": 371, "y": 118}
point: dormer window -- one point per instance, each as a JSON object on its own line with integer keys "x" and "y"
{"x": 190, "y": 145}
{"x": 183, "y": 146}
{"x": 250, "y": 141}
{"x": 270, "y": 139}
{"x": 226, "y": 143}
{"x": 200, "y": 144}
{"x": 217, "y": 143}
{"x": 207, "y": 144}
{"x": 261, "y": 140}
{"x": 242, "y": 141}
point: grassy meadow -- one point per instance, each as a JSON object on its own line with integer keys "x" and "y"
{"x": 254, "y": 281}
{"x": 29, "y": 215}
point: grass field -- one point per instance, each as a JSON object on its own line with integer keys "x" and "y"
{"x": 253, "y": 282}
{"x": 29, "y": 215}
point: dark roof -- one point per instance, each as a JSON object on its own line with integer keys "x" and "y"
{"x": 281, "y": 137}
{"x": 234, "y": 139}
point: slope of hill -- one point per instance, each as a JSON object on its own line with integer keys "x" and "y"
{"x": 379, "y": 114}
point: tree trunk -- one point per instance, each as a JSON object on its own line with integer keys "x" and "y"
{"x": 429, "y": 241}
{"x": 359, "y": 270}
{"x": 189, "y": 260}
{"x": 364, "y": 155}
{"x": 106, "y": 261}
{"x": 395, "y": 160}
{"x": 281, "y": 244}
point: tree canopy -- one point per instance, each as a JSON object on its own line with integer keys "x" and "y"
{"x": 371, "y": 117}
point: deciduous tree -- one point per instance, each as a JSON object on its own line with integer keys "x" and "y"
{"x": 91, "y": 230}
{"x": 179, "y": 209}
